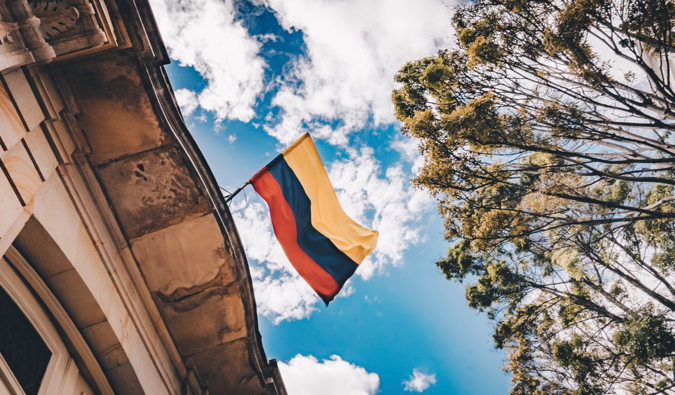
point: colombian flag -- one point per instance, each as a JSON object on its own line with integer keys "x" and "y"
{"x": 324, "y": 245}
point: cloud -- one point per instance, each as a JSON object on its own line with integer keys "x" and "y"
{"x": 204, "y": 35}
{"x": 344, "y": 81}
{"x": 305, "y": 375}
{"x": 284, "y": 298}
{"x": 409, "y": 150}
{"x": 187, "y": 101}
{"x": 419, "y": 381}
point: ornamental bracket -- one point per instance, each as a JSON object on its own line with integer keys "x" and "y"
{"x": 40, "y": 31}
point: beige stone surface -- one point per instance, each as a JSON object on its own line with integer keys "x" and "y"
{"x": 96, "y": 296}
{"x": 117, "y": 315}
{"x": 124, "y": 381}
{"x": 73, "y": 291}
{"x": 152, "y": 325}
{"x": 126, "y": 309}
{"x": 143, "y": 364}
{"x": 25, "y": 98}
{"x": 10, "y": 207}
{"x": 116, "y": 115}
{"x": 107, "y": 348}
{"x": 55, "y": 211}
{"x": 34, "y": 234}
{"x": 49, "y": 93}
{"x": 12, "y": 129}
{"x": 85, "y": 290}
{"x": 125, "y": 234}
{"x": 205, "y": 319}
{"x": 92, "y": 271}
{"x": 151, "y": 191}
{"x": 8, "y": 237}
{"x": 184, "y": 255}
{"x": 59, "y": 132}
{"x": 235, "y": 373}
{"x": 22, "y": 171}
{"x": 42, "y": 152}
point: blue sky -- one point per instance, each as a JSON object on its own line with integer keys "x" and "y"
{"x": 251, "y": 77}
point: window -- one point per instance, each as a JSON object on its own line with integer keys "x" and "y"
{"x": 33, "y": 358}
{"x": 21, "y": 346}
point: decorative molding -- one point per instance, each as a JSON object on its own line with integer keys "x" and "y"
{"x": 85, "y": 193}
{"x": 56, "y": 16}
{"x": 56, "y": 380}
{"x": 41, "y": 31}
{"x": 6, "y": 29}
{"x": 73, "y": 335}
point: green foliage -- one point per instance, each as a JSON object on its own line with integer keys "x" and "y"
{"x": 554, "y": 176}
{"x": 573, "y": 356}
{"x": 645, "y": 339}
{"x": 459, "y": 262}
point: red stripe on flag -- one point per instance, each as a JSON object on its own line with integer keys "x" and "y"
{"x": 283, "y": 223}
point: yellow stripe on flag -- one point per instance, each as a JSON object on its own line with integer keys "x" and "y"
{"x": 328, "y": 217}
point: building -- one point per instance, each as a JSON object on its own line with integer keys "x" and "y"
{"x": 121, "y": 270}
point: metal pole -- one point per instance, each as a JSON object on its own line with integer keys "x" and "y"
{"x": 233, "y": 194}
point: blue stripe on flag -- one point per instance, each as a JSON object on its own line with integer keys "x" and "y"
{"x": 317, "y": 246}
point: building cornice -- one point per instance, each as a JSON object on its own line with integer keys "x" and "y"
{"x": 140, "y": 183}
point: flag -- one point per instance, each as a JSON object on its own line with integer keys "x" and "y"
{"x": 324, "y": 245}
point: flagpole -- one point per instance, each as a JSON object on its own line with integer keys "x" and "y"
{"x": 229, "y": 197}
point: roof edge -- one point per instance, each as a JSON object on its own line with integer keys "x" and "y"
{"x": 153, "y": 59}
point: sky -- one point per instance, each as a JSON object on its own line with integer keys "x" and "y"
{"x": 251, "y": 77}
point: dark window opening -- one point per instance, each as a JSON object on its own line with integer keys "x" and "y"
{"x": 21, "y": 346}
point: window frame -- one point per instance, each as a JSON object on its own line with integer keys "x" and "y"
{"x": 61, "y": 373}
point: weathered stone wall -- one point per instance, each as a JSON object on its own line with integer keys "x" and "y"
{"x": 164, "y": 212}
{"x": 47, "y": 212}
{"x": 107, "y": 198}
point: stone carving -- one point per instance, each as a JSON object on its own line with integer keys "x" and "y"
{"x": 55, "y": 16}
{"x": 6, "y": 28}
{"x": 21, "y": 40}
{"x": 41, "y": 30}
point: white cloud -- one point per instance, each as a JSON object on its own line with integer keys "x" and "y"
{"x": 305, "y": 375}
{"x": 187, "y": 101}
{"x": 419, "y": 381}
{"x": 342, "y": 84}
{"x": 409, "y": 150}
{"x": 284, "y": 297}
{"x": 204, "y": 34}
{"x": 267, "y": 37}
{"x": 354, "y": 48}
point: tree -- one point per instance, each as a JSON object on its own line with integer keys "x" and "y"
{"x": 548, "y": 142}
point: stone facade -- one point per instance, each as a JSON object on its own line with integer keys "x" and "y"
{"x": 115, "y": 240}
